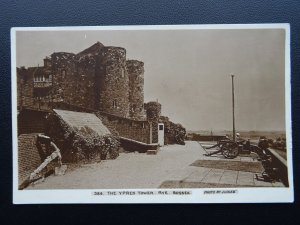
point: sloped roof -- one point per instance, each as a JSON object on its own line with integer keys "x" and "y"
{"x": 92, "y": 50}
{"x": 82, "y": 120}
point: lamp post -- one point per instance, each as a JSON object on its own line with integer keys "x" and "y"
{"x": 233, "y": 118}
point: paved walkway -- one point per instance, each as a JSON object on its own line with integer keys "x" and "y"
{"x": 170, "y": 168}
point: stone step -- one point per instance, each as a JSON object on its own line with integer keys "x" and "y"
{"x": 151, "y": 152}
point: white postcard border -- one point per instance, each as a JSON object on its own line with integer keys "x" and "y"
{"x": 216, "y": 195}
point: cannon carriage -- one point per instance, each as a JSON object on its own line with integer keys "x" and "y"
{"x": 230, "y": 149}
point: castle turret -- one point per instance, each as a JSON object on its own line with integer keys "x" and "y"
{"x": 62, "y": 59}
{"x": 47, "y": 62}
{"x": 153, "y": 111}
{"x": 112, "y": 82}
{"x": 135, "y": 70}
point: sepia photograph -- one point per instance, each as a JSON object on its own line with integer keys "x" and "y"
{"x": 152, "y": 114}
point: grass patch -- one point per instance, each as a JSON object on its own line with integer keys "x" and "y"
{"x": 253, "y": 167}
{"x": 184, "y": 184}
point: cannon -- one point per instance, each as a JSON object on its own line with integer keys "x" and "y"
{"x": 228, "y": 148}
{"x": 231, "y": 149}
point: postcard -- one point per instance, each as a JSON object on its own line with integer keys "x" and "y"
{"x": 152, "y": 114}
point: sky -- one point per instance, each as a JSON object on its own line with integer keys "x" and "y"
{"x": 188, "y": 71}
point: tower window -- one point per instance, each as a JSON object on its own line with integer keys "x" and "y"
{"x": 42, "y": 78}
{"x": 122, "y": 73}
{"x": 161, "y": 127}
{"x": 115, "y": 104}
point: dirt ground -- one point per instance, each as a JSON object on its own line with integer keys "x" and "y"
{"x": 174, "y": 166}
{"x": 129, "y": 170}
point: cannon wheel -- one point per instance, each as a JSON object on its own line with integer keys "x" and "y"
{"x": 230, "y": 150}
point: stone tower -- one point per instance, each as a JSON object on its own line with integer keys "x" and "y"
{"x": 112, "y": 82}
{"x": 135, "y": 70}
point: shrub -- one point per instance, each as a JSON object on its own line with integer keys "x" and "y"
{"x": 82, "y": 144}
{"x": 174, "y": 133}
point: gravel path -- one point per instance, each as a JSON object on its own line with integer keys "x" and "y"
{"x": 129, "y": 170}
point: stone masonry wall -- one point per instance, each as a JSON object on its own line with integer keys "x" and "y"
{"x": 97, "y": 78}
{"x": 135, "y": 70}
{"x": 28, "y": 155}
{"x": 20, "y": 84}
{"x": 63, "y": 68}
{"x": 128, "y": 128}
{"x": 82, "y": 90}
{"x": 30, "y": 121}
{"x": 25, "y": 86}
{"x": 112, "y": 81}
{"x": 63, "y": 77}
{"x": 30, "y": 96}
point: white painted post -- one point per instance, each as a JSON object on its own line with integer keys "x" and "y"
{"x": 161, "y": 134}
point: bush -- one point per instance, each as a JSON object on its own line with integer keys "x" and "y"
{"x": 81, "y": 144}
{"x": 174, "y": 132}
{"x": 153, "y": 110}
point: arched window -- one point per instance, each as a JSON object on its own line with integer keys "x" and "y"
{"x": 37, "y": 78}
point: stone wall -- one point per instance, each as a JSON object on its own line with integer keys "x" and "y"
{"x": 28, "y": 156}
{"x": 97, "y": 78}
{"x": 132, "y": 146}
{"x": 128, "y": 128}
{"x": 199, "y": 137}
{"x": 112, "y": 82}
{"x": 30, "y": 121}
{"x": 73, "y": 79}
{"x": 29, "y": 96}
{"x": 72, "y": 82}
{"x": 25, "y": 86}
{"x": 135, "y": 70}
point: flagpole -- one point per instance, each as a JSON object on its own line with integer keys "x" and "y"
{"x": 233, "y": 118}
